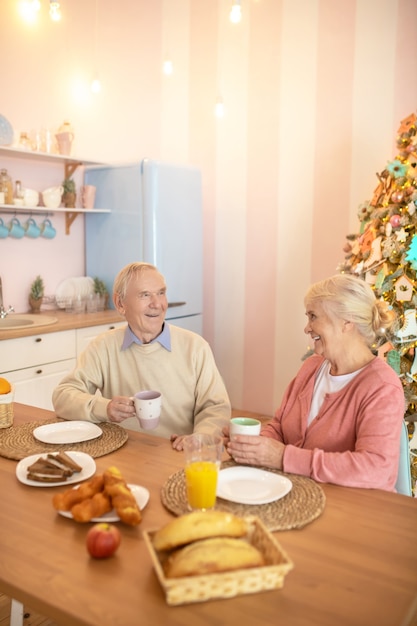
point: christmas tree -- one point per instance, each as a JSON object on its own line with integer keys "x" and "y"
{"x": 384, "y": 254}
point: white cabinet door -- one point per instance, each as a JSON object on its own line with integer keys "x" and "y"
{"x": 36, "y": 364}
{"x": 34, "y": 350}
{"x": 85, "y": 335}
{"x": 34, "y": 385}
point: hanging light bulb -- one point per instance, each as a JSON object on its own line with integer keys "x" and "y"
{"x": 96, "y": 84}
{"x": 219, "y": 108}
{"x": 235, "y": 12}
{"x": 54, "y": 10}
{"x": 28, "y": 9}
{"x": 168, "y": 67}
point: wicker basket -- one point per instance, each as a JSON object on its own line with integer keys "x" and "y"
{"x": 227, "y": 584}
{"x": 6, "y": 408}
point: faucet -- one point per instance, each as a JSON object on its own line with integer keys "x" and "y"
{"x": 3, "y": 312}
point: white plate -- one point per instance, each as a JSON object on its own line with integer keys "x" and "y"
{"x": 141, "y": 496}
{"x": 249, "y": 485}
{"x": 6, "y": 132}
{"x": 85, "y": 460}
{"x": 67, "y": 432}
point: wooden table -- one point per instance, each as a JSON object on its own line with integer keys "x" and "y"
{"x": 356, "y": 565}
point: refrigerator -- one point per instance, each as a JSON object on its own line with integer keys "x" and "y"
{"x": 155, "y": 216}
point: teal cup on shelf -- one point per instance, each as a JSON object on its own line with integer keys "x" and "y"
{"x": 16, "y": 229}
{"x": 47, "y": 230}
{"x": 4, "y": 231}
{"x": 32, "y": 230}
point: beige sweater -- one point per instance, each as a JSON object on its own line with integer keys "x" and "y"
{"x": 194, "y": 397}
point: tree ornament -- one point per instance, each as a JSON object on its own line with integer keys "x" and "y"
{"x": 395, "y": 220}
{"x": 397, "y": 197}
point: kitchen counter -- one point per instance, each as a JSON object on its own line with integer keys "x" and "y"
{"x": 66, "y": 321}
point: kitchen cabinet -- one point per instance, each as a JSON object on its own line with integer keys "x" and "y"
{"x": 34, "y": 385}
{"x": 70, "y": 165}
{"x": 36, "y": 364}
{"x": 85, "y": 335}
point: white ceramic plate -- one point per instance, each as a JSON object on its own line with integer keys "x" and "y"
{"x": 250, "y": 485}
{"x": 141, "y": 496}
{"x": 84, "y": 460}
{"x": 67, "y": 432}
{"x": 6, "y": 132}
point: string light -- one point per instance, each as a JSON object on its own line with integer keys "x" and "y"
{"x": 28, "y": 9}
{"x": 95, "y": 84}
{"x": 168, "y": 67}
{"x": 235, "y": 12}
{"x": 219, "y": 110}
{"x": 54, "y": 10}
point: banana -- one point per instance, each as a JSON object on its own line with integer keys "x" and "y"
{"x": 207, "y": 556}
{"x": 198, "y": 525}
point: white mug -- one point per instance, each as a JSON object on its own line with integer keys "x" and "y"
{"x": 244, "y": 426}
{"x": 148, "y": 408}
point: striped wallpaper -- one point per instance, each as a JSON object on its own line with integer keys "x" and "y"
{"x": 314, "y": 91}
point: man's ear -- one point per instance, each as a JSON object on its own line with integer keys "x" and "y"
{"x": 118, "y": 303}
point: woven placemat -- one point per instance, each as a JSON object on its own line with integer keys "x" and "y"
{"x": 303, "y": 504}
{"x": 18, "y": 441}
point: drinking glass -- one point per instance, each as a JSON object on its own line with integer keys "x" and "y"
{"x": 203, "y": 454}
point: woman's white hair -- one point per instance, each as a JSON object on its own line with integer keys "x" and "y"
{"x": 350, "y": 298}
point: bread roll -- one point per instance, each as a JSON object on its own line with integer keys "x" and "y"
{"x": 218, "y": 554}
{"x": 198, "y": 525}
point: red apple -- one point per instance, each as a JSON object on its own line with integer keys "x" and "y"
{"x": 103, "y": 540}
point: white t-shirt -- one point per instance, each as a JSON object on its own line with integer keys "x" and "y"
{"x": 326, "y": 383}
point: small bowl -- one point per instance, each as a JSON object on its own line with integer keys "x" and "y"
{"x": 18, "y": 201}
{"x": 52, "y": 197}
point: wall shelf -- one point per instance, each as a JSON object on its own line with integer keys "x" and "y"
{"x": 44, "y": 156}
{"x": 70, "y": 164}
{"x": 70, "y": 214}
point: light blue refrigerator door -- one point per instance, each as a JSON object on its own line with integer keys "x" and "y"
{"x": 114, "y": 239}
{"x": 173, "y": 234}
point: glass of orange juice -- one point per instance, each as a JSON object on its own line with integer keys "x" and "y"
{"x": 202, "y": 461}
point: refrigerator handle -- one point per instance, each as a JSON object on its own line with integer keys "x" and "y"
{"x": 172, "y": 304}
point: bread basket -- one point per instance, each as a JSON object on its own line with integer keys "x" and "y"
{"x": 230, "y": 584}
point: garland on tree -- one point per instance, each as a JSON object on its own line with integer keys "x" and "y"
{"x": 384, "y": 254}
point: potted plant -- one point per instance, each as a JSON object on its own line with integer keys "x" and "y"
{"x": 101, "y": 290}
{"x": 36, "y": 294}
{"x": 69, "y": 194}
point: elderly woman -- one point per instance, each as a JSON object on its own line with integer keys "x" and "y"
{"x": 340, "y": 418}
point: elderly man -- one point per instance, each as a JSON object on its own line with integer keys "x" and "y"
{"x": 148, "y": 354}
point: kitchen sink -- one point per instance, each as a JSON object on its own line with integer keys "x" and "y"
{"x": 23, "y": 320}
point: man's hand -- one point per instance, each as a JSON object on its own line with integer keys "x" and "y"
{"x": 120, "y": 408}
{"x": 177, "y": 442}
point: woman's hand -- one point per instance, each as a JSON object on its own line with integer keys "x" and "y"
{"x": 256, "y": 450}
{"x": 120, "y": 408}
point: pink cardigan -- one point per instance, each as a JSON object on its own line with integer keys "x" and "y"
{"x": 355, "y": 439}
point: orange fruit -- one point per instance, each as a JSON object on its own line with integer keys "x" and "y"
{"x": 5, "y": 386}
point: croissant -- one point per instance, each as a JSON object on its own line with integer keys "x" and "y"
{"x": 93, "y": 507}
{"x": 98, "y": 496}
{"x": 67, "y": 499}
{"x": 122, "y": 498}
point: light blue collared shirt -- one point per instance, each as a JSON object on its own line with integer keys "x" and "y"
{"x": 164, "y": 338}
